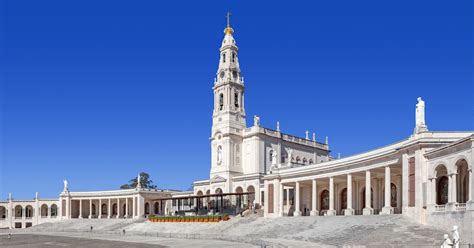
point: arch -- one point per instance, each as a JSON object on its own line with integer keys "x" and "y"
{"x": 199, "y": 193}
{"x": 114, "y": 209}
{"x": 305, "y": 160}
{"x": 251, "y": 197}
{"x": 44, "y": 210}
{"x": 3, "y": 212}
{"x": 94, "y": 211}
{"x": 311, "y": 161}
{"x": 18, "y": 211}
{"x": 442, "y": 184}
{"x": 462, "y": 182}
{"x": 103, "y": 209}
{"x": 147, "y": 208}
{"x": 218, "y": 191}
{"x": 393, "y": 195}
{"x": 29, "y": 211}
{"x": 324, "y": 199}
{"x": 54, "y": 210}
{"x": 343, "y": 198}
{"x": 298, "y": 159}
{"x": 208, "y": 192}
{"x": 156, "y": 208}
{"x": 239, "y": 190}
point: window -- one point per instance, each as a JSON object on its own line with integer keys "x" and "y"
{"x": 223, "y": 57}
{"x": 236, "y": 100}
{"x": 233, "y": 57}
{"x": 221, "y": 101}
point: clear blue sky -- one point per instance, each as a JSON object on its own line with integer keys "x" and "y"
{"x": 97, "y": 91}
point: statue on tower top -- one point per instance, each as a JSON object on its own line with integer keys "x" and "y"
{"x": 139, "y": 183}
{"x": 66, "y": 188}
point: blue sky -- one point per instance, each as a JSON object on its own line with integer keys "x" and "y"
{"x": 97, "y": 91}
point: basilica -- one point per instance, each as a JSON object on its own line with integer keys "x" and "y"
{"x": 426, "y": 177}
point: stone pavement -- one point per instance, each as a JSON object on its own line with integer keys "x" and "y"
{"x": 53, "y": 240}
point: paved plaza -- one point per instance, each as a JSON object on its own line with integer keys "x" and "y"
{"x": 53, "y": 240}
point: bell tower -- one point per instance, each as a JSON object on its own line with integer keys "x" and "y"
{"x": 228, "y": 118}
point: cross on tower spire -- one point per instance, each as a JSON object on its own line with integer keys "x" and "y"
{"x": 228, "y": 19}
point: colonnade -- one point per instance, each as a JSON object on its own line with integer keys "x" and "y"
{"x": 345, "y": 183}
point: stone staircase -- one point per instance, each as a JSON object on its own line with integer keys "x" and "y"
{"x": 340, "y": 231}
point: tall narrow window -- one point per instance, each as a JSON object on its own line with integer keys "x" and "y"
{"x": 221, "y": 101}
{"x": 233, "y": 57}
{"x": 236, "y": 100}
{"x": 223, "y": 57}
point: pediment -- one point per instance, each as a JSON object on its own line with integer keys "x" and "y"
{"x": 218, "y": 179}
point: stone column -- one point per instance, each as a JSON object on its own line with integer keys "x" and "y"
{"x": 405, "y": 196}
{"x": 90, "y": 208}
{"x": 68, "y": 207}
{"x": 331, "y": 210}
{"x": 126, "y": 207}
{"x": 470, "y": 202}
{"x": 80, "y": 209}
{"x": 288, "y": 198}
{"x": 314, "y": 199}
{"x": 280, "y": 200}
{"x": 109, "y": 213}
{"x": 349, "y": 210}
{"x": 100, "y": 209}
{"x": 134, "y": 204}
{"x": 118, "y": 208}
{"x": 387, "y": 209}
{"x": 452, "y": 196}
{"x": 297, "y": 211}
{"x": 266, "y": 207}
{"x": 276, "y": 194}
{"x": 368, "y": 210}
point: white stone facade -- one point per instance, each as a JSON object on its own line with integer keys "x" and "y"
{"x": 427, "y": 176}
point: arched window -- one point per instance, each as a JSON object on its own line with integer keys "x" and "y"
{"x": 104, "y": 209}
{"x": 93, "y": 209}
{"x": 18, "y": 211}
{"x": 114, "y": 209}
{"x": 442, "y": 190}
{"x": 305, "y": 161}
{"x": 3, "y": 212}
{"x": 221, "y": 101}
{"x": 157, "y": 208}
{"x": 233, "y": 57}
{"x": 54, "y": 210}
{"x": 223, "y": 57}
{"x": 44, "y": 210}
{"x": 310, "y": 161}
{"x": 344, "y": 199}
{"x": 29, "y": 211}
{"x": 393, "y": 195}
{"x": 147, "y": 208}
{"x": 298, "y": 159}
{"x": 324, "y": 200}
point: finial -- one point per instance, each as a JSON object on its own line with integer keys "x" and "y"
{"x": 139, "y": 183}
{"x": 228, "y": 29}
{"x": 306, "y": 134}
{"x": 314, "y": 137}
{"x": 327, "y": 140}
{"x": 228, "y": 18}
{"x": 278, "y": 126}
{"x": 36, "y": 196}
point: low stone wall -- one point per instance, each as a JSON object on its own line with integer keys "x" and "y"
{"x": 446, "y": 220}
